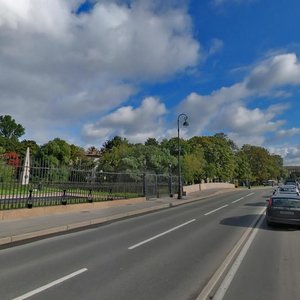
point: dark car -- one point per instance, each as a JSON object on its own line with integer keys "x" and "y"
{"x": 283, "y": 209}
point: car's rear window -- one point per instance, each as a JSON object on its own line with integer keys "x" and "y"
{"x": 287, "y": 189}
{"x": 285, "y": 202}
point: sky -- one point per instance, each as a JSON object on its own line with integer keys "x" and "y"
{"x": 86, "y": 71}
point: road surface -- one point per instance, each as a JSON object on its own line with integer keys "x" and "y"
{"x": 170, "y": 254}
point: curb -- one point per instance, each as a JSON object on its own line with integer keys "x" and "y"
{"x": 84, "y": 224}
{"x": 74, "y": 226}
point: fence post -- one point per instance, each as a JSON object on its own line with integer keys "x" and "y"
{"x": 29, "y": 200}
{"x": 90, "y": 197}
{"x": 156, "y": 186}
{"x": 64, "y": 200}
{"x": 144, "y": 184}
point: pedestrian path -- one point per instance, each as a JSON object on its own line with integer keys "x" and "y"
{"x": 16, "y": 230}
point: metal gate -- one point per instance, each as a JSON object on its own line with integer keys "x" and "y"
{"x": 160, "y": 185}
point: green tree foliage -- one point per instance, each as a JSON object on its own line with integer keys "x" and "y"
{"x": 218, "y": 156}
{"x": 193, "y": 165}
{"x": 136, "y": 158}
{"x": 10, "y": 132}
{"x": 276, "y": 167}
{"x": 151, "y": 142}
{"x": 159, "y": 160}
{"x": 56, "y": 152}
{"x": 115, "y": 159}
{"x": 263, "y": 165}
{"x": 6, "y": 171}
{"x": 9, "y": 128}
{"x": 243, "y": 167}
{"x": 172, "y": 146}
{"x": 117, "y": 141}
{"x": 33, "y": 146}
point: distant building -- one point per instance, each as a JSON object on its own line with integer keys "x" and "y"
{"x": 292, "y": 169}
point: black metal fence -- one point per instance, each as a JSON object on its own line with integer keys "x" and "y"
{"x": 36, "y": 184}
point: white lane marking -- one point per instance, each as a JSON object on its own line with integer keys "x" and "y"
{"x": 206, "y": 293}
{"x": 237, "y": 200}
{"x": 230, "y": 275}
{"x": 49, "y": 285}
{"x": 249, "y": 194}
{"x": 212, "y": 211}
{"x": 161, "y": 234}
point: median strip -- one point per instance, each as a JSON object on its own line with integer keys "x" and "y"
{"x": 161, "y": 234}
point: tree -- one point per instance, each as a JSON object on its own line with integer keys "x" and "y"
{"x": 12, "y": 159}
{"x": 172, "y": 146}
{"x": 259, "y": 159}
{"x": 115, "y": 142}
{"x": 151, "y": 142}
{"x": 6, "y": 171}
{"x": 193, "y": 166}
{"x": 9, "y": 128}
{"x": 243, "y": 167}
{"x": 56, "y": 152}
{"x": 32, "y": 145}
{"x": 113, "y": 160}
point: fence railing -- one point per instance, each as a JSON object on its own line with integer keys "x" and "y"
{"x": 23, "y": 186}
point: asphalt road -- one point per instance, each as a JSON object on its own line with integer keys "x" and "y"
{"x": 271, "y": 268}
{"x": 170, "y": 254}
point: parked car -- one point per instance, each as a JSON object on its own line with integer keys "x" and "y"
{"x": 283, "y": 209}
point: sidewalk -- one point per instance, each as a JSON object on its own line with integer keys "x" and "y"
{"x": 12, "y": 231}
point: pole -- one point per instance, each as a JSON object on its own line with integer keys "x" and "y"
{"x": 185, "y": 123}
{"x": 179, "y": 166}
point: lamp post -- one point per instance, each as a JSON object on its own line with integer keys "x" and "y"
{"x": 185, "y": 123}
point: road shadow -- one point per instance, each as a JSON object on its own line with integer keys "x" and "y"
{"x": 246, "y": 221}
{"x": 260, "y": 204}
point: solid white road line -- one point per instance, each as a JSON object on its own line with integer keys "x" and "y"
{"x": 207, "y": 290}
{"x": 49, "y": 285}
{"x": 219, "y": 295}
{"x": 161, "y": 234}
{"x": 238, "y": 200}
{"x": 212, "y": 211}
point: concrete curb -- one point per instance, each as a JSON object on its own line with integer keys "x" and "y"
{"x": 102, "y": 220}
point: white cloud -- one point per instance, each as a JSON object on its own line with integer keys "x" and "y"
{"x": 290, "y": 154}
{"x": 215, "y": 47}
{"x": 218, "y": 3}
{"x": 57, "y": 67}
{"x": 202, "y": 110}
{"x": 226, "y": 108}
{"x": 288, "y": 132}
{"x": 277, "y": 71}
{"x": 249, "y": 126}
{"x": 136, "y": 124}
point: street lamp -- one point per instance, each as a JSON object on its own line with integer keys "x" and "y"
{"x": 185, "y": 123}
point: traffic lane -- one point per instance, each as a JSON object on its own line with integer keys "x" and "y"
{"x": 271, "y": 267}
{"x": 54, "y": 256}
{"x": 171, "y": 268}
{"x": 36, "y": 258}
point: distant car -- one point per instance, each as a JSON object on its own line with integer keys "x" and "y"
{"x": 286, "y": 189}
{"x": 292, "y": 182}
{"x": 283, "y": 209}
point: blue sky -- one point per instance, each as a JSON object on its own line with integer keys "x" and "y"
{"x": 86, "y": 71}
